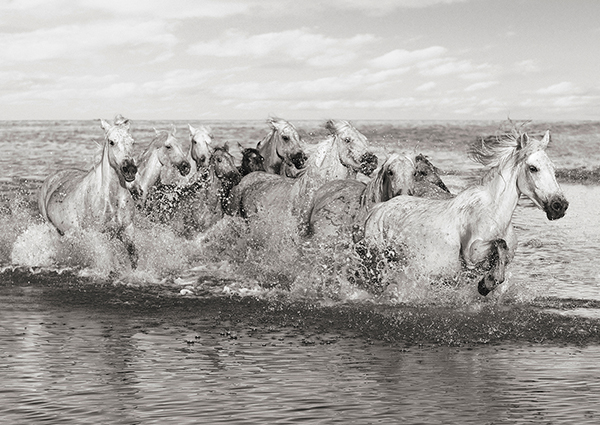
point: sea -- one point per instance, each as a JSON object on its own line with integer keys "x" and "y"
{"x": 245, "y": 324}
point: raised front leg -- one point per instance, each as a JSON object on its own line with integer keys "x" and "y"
{"x": 495, "y": 265}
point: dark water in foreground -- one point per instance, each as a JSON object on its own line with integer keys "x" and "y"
{"x": 266, "y": 335}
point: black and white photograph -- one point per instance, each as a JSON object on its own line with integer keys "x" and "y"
{"x": 282, "y": 212}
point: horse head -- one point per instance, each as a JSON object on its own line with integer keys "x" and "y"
{"x": 284, "y": 140}
{"x": 353, "y": 147}
{"x": 200, "y": 150}
{"x": 118, "y": 147}
{"x": 425, "y": 171}
{"x": 252, "y": 160}
{"x": 536, "y": 178}
{"x": 397, "y": 176}
{"x": 224, "y": 166}
{"x": 170, "y": 151}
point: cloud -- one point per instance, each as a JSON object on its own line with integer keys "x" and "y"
{"x": 564, "y": 88}
{"x": 527, "y": 67}
{"x": 481, "y": 86}
{"x": 78, "y": 41}
{"x": 292, "y": 45}
{"x": 427, "y": 86}
{"x": 400, "y": 57}
{"x": 146, "y": 9}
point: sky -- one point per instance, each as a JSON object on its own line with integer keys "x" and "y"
{"x": 300, "y": 60}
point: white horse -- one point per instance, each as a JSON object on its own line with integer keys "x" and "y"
{"x": 281, "y": 149}
{"x": 99, "y": 198}
{"x": 164, "y": 151}
{"x": 341, "y": 156}
{"x": 474, "y": 229}
{"x": 339, "y": 205}
{"x": 201, "y": 140}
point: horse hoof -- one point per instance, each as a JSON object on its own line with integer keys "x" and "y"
{"x": 483, "y": 290}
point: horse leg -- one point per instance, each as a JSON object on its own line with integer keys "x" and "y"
{"x": 498, "y": 257}
{"x": 126, "y": 236}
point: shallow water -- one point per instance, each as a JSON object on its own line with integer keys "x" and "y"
{"x": 238, "y": 328}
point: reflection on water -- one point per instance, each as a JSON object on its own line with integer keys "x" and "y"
{"x": 75, "y": 349}
{"x": 84, "y": 364}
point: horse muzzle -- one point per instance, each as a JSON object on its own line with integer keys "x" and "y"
{"x": 298, "y": 159}
{"x": 201, "y": 161}
{"x": 368, "y": 163}
{"x": 129, "y": 170}
{"x": 556, "y": 207}
{"x": 184, "y": 168}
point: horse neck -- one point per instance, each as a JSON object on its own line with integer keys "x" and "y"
{"x": 268, "y": 150}
{"x": 149, "y": 169}
{"x": 105, "y": 176}
{"x": 327, "y": 162}
{"x": 323, "y": 166}
{"x": 372, "y": 193}
{"x": 503, "y": 193}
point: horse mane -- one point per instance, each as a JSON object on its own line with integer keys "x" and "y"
{"x": 202, "y": 129}
{"x": 496, "y": 150}
{"x": 278, "y": 123}
{"x": 120, "y": 120}
{"x": 336, "y": 126}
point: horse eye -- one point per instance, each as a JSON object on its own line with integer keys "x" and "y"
{"x": 168, "y": 146}
{"x": 347, "y": 140}
{"x": 286, "y": 138}
{"x": 112, "y": 142}
{"x": 533, "y": 169}
{"x": 390, "y": 173}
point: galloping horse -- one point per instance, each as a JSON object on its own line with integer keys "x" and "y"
{"x": 164, "y": 151}
{"x": 341, "y": 204}
{"x": 202, "y": 203}
{"x": 282, "y": 149}
{"x": 97, "y": 199}
{"x": 474, "y": 229}
{"x": 252, "y": 160}
{"x": 341, "y": 156}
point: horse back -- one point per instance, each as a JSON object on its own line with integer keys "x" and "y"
{"x": 246, "y": 195}
{"x": 335, "y": 207}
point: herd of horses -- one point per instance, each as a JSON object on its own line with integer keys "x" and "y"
{"x": 403, "y": 214}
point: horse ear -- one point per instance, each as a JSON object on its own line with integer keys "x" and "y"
{"x": 240, "y": 146}
{"x": 545, "y": 140}
{"x": 271, "y": 122}
{"x": 330, "y": 125}
{"x": 173, "y": 129}
{"x": 522, "y": 140}
{"x": 226, "y": 146}
{"x": 104, "y": 124}
{"x": 121, "y": 121}
{"x": 155, "y": 130}
{"x": 192, "y": 129}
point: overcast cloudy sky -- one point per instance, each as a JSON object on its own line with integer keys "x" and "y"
{"x": 352, "y": 59}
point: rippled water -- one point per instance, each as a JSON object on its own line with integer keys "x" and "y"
{"x": 269, "y": 334}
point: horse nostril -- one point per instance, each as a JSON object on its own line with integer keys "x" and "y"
{"x": 184, "y": 168}
{"x": 559, "y": 206}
